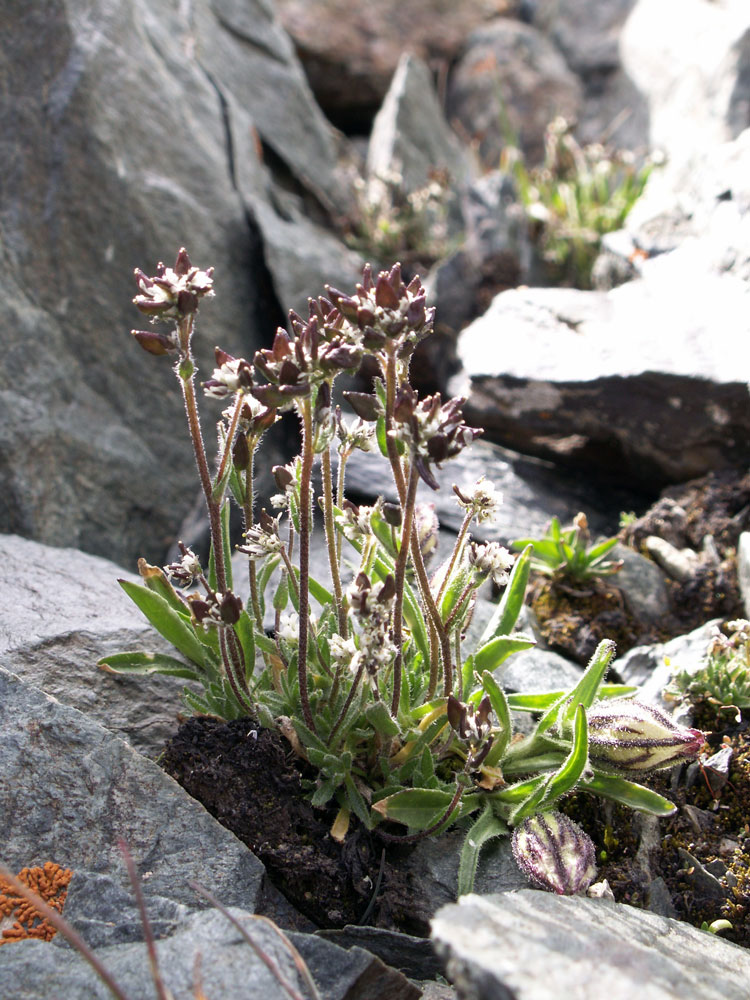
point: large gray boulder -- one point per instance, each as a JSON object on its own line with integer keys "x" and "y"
{"x": 206, "y": 951}
{"x": 69, "y": 790}
{"x": 610, "y": 382}
{"x": 128, "y": 130}
{"x": 510, "y": 77}
{"x": 61, "y": 610}
{"x": 533, "y": 945}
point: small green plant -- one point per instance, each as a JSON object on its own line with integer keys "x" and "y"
{"x": 392, "y": 223}
{"x": 566, "y": 553}
{"x": 366, "y": 673}
{"x": 576, "y": 196}
{"x": 723, "y": 682}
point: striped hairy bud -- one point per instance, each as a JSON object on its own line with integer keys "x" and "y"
{"x": 632, "y": 736}
{"x": 554, "y": 853}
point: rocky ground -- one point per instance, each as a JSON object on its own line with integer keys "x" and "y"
{"x": 131, "y": 130}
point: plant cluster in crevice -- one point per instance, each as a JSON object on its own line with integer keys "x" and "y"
{"x": 367, "y": 673}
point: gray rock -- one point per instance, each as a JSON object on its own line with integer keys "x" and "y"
{"x": 706, "y": 886}
{"x": 651, "y": 667}
{"x": 587, "y": 33}
{"x": 411, "y": 955}
{"x": 743, "y": 569}
{"x": 690, "y": 61}
{"x": 410, "y": 136}
{"x": 532, "y": 945}
{"x": 61, "y": 611}
{"x": 535, "y": 670}
{"x": 69, "y": 790}
{"x": 510, "y": 76}
{"x": 642, "y": 584}
{"x": 206, "y": 950}
{"x": 101, "y": 176}
{"x": 351, "y": 48}
{"x": 609, "y": 381}
{"x": 433, "y": 866}
{"x": 679, "y": 564}
{"x": 496, "y": 255}
{"x": 532, "y": 493}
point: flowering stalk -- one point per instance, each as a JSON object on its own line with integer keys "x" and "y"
{"x": 305, "y": 528}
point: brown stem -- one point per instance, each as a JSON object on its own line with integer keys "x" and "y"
{"x": 398, "y": 601}
{"x": 331, "y": 543}
{"x": 231, "y": 649}
{"x": 228, "y": 444}
{"x": 433, "y": 612}
{"x": 249, "y": 516}
{"x": 390, "y": 443}
{"x": 305, "y": 528}
{"x": 347, "y": 703}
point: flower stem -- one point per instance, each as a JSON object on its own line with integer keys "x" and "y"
{"x": 398, "y": 601}
{"x": 305, "y": 529}
{"x": 331, "y": 542}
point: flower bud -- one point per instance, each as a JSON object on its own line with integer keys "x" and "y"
{"x": 554, "y": 853}
{"x": 632, "y": 736}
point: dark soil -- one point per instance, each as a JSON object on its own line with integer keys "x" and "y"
{"x": 249, "y": 779}
{"x": 573, "y": 618}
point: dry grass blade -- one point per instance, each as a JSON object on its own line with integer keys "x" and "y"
{"x": 262, "y": 955}
{"x": 161, "y": 990}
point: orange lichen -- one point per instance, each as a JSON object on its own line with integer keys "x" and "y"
{"x": 20, "y": 919}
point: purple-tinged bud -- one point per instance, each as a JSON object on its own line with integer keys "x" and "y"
{"x": 555, "y": 853}
{"x": 631, "y": 736}
{"x": 156, "y": 343}
{"x": 385, "y": 296}
{"x": 364, "y": 404}
{"x": 241, "y": 452}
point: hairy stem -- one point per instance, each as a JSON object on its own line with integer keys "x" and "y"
{"x": 305, "y": 528}
{"x": 398, "y": 601}
{"x": 454, "y": 555}
{"x": 331, "y": 543}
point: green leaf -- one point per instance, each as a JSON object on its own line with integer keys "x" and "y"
{"x": 567, "y": 776}
{"x": 497, "y": 650}
{"x": 147, "y": 663}
{"x": 541, "y": 701}
{"x": 585, "y": 691}
{"x": 485, "y": 828}
{"x": 357, "y": 803}
{"x": 167, "y": 622}
{"x": 629, "y": 793}
{"x": 416, "y": 808}
{"x": 507, "y": 611}
{"x": 502, "y": 711}
{"x": 599, "y": 550}
{"x": 520, "y": 791}
{"x": 281, "y": 597}
{"x": 246, "y": 634}
{"x": 380, "y": 719}
{"x": 155, "y": 579}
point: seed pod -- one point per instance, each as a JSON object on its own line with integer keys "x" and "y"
{"x": 554, "y": 853}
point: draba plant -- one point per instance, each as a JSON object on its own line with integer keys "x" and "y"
{"x": 723, "y": 681}
{"x": 366, "y": 673}
{"x": 572, "y": 199}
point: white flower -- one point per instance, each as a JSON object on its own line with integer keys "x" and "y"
{"x": 491, "y": 559}
{"x": 481, "y": 498}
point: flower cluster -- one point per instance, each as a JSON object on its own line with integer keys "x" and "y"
{"x": 172, "y": 294}
{"x": 186, "y": 570}
{"x": 263, "y": 538}
{"x": 322, "y": 346}
{"x": 481, "y": 499}
{"x": 433, "y": 430}
{"x": 491, "y": 560}
{"x": 216, "y": 609}
{"x": 386, "y": 310}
